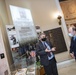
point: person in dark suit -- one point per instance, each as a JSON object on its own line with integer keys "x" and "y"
{"x": 73, "y": 43}
{"x": 45, "y": 50}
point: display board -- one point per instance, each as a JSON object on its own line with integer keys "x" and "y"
{"x": 12, "y": 36}
{"x": 24, "y": 25}
{"x": 24, "y": 55}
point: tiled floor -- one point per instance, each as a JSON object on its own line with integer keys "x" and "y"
{"x": 70, "y": 69}
{"x": 63, "y": 56}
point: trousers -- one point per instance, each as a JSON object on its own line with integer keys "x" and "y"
{"x": 51, "y": 69}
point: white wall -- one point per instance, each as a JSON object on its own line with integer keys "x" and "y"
{"x": 3, "y": 62}
{"x": 44, "y": 13}
{"x": 3, "y": 12}
{"x": 63, "y": 26}
{"x": 7, "y": 61}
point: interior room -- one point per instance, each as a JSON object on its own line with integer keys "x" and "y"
{"x": 22, "y": 21}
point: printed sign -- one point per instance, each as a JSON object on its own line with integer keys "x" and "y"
{"x": 12, "y": 36}
{"x": 24, "y": 25}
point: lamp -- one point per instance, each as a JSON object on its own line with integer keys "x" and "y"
{"x": 59, "y": 19}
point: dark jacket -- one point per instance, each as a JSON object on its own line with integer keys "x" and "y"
{"x": 73, "y": 46}
{"x": 40, "y": 50}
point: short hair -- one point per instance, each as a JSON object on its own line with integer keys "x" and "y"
{"x": 74, "y": 28}
{"x": 41, "y": 34}
{"x": 74, "y": 24}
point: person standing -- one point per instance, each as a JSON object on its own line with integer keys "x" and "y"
{"x": 45, "y": 50}
{"x": 73, "y": 43}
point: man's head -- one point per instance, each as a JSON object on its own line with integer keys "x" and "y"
{"x": 72, "y": 31}
{"x": 42, "y": 37}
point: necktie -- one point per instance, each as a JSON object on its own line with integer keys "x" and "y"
{"x": 47, "y": 48}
